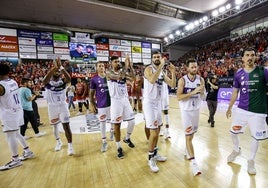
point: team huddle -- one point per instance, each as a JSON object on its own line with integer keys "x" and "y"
{"x": 109, "y": 100}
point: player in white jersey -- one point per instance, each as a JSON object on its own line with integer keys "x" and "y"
{"x": 57, "y": 105}
{"x": 11, "y": 115}
{"x": 120, "y": 106}
{"x": 165, "y": 107}
{"x": 153, "y": 83}
{"x": 190, "y": 88}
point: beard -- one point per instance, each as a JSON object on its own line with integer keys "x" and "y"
{"x": 157, "y": 62}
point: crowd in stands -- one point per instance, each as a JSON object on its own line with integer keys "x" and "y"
{"x": 221, "y": 58}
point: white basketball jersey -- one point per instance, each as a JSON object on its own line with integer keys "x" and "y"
{"x": 10, "y": 104}
{"x": 153, "y": 91}
{"x": 117, "y": 88}
{"x": 192, "y": 103}
{"x": 56, "y": 92}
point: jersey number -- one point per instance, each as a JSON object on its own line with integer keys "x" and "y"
{"x": 16, "y": 98}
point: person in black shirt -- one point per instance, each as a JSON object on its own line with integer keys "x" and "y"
{"x": 212, "y": 95}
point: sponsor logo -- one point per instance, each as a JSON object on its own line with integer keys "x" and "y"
{"x": 155, "y": 123}
{"x": 189, "y": 129}
{"x": 102, "y": 117}
{"x": 119, "y": 118}
{"x": 237, "y": 127}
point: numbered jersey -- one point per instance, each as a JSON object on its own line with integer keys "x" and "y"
{"x": 193, "y": 103}
{"x": 56, "y": 92}
{"x": 10, "y": 104}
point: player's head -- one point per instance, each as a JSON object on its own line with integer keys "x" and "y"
{"x": 26, "y": 82}
{"x": 156, "y": 57}
{"x": 192, "y": 66}
{"x": 4, "y": 69}
{"x": 100, "y": 67}
{"x": 249, "y": 56}
{"x": 115, "y": 62}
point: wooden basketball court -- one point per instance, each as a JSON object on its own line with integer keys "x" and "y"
{"x": 91, "y": 168}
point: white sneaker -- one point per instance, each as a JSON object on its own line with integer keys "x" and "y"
{"x": 160, "y": 158}
{"x": 233, "y": 156}
{"x": 79, "y": 113}
{"x": 40, "y": 134}
{"x": 58, "y": 146}
{"x": 196, "y": 170}
{"x": 26, "y": 155}
{"x": 167, "y": 135}
{"x": 70, "y": 150}
{"x": 11, "y": 164}
{"x": 152, "y": 165}
{"x": 27, "y": 137}
{"x": 161, "y": 132}
{"x": 104, "y": 147}
{"x": 251, "y": 167}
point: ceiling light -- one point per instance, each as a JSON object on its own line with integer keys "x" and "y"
{"x": 228, "y": 6}
{"x": 215, "y": 13}
{"x": 238, "y": 2}
{"x": 196, "y": 22}
{"x": 178, "y": 32}
{"x": 166, "y": 39}
{"x": 171, "y": 36}
{"x": 205, "y": 18}
{"x": 237, "y": 7}
{"x": 222, "y": 9}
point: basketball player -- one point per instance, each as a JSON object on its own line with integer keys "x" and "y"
{"x": 250, "y": 82}
{"x": 11, "y": 115}
{"x": 137, "y": 93}
{"x": 190, "y": 88}
{"x": 100, "y": 101}
{"x": 57, "y": 106}
{"x": 153, "y": 83}
{"x": 165, "y": 107}
{"x": 120, "y": 106}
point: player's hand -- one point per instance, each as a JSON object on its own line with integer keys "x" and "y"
{"x": 171, "y": 68}
{"x": 228, "y": 113}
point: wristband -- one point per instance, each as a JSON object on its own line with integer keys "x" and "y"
{"x": 61, "y": 68}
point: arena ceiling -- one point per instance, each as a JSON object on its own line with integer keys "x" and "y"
{"x": 144, "y": 18}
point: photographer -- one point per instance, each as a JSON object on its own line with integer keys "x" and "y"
{"x": 212, "y": 95}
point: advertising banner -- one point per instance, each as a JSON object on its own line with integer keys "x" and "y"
{"x": 120, "y": 48}
{"x": 61, "y": 51}
{"x": 146, "y": 56}
{"x": 8, "y": 32}
{"x": 27, "y": 55}
{"x": 102, "y": 53}
{"x": 27, "y": 41}
{"x": 115, "y": 41}
{"x": 29, "y": 33}
{"x": 136, "y": 55}
{"x": 135, "y": 49}
{"x": 8, "y": 48}
{"x": 146, "y": 45}
{"x": 24, "y": 48}
{"x": 146, "y": 50}
{"x": 8, "y": 39}
{"x": 135, "y": 43}
{"x": 100, "y": 58}
{"x": 146, "y": 61}
{"x": 60, "y": 37}
{"x": 156, "y": 46}
{"x": 114, "y": 53}
{"x": 102, "y": 46}
{"x": 42, "y": 42}
{"x": 61, "y": 44}
{"x": 125, "y": 43}
{"x": 9, "y": 54}
{"x": 45, "y": 49}
{"x": 46, "y": 36}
